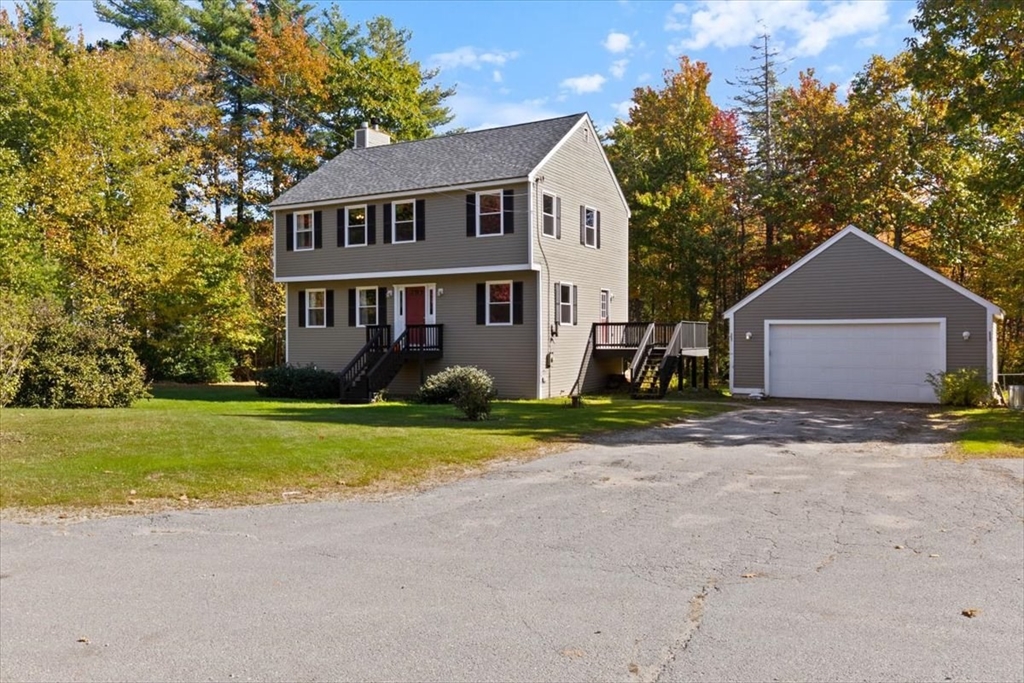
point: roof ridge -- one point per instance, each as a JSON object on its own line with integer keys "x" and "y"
{"x": 444, "y": 136}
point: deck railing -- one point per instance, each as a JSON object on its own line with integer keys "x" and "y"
{"x": 424, "y": 338}
{"x": 619, "y": 335}
{"x": 694, "y": 335}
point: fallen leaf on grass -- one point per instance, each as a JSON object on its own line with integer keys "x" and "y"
{"x": 971, "y": 612}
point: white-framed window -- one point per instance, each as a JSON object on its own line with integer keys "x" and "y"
{"x": 499, "y": 303}
{"x": 489, "y": 215}
{"x": 303, "y": 231}
{"x": 590, "y": 226}
{"x": 550, "y": 214}
{"x": 403, "y": 222}
{"x": 566, "y": 303}
{"x": 316, "y": 308}
{"x": 366, "y": 306}
{"x": 355, "y": 226}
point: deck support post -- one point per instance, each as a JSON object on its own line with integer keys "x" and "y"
{"x": 693, "y": 372}
{"x": 706, "y": 374}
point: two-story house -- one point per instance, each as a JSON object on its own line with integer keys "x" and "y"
{"x": 496, "y": 248}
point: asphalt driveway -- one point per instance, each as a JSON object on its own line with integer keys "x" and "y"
{"x": 782, "y": 542}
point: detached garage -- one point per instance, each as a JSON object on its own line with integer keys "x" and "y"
{"x": 855, "y": 319}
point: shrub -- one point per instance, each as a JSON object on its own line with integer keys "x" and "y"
{"x": 963, "y": 387}
{"x": 288, "y": 381}
{"x": 468, "y": 388}
{"x": 74, "y": 363}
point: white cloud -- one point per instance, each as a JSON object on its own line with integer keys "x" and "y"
{"x": 616, "y": 42}
{"x": 618, "y": 68}
{"x": 471, "y": 57}
{"x": 622, "y": 108}
{"x": 584, "y": 84}
{"x": 496, "y": 76}
{"x": 643, "y": 78}
{"x": 475, "y": 112}
{"x": 810, "y": 28}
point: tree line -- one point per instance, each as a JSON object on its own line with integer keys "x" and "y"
{"x": 926, "y": 152}
{"x": 135, "y": 175}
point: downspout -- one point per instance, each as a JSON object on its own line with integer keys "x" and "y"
{"x": 529, "y": 258}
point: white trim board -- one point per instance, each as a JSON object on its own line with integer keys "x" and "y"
{"x": 429, "y": 272}
{"x": 848, "y": 322}
{"x": 584, "y": 120}
{"x": 993, "y": 310}
{"x": 416, "y": 192}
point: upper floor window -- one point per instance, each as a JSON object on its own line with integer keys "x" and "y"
{"x": 304, "y": 231}
{"x": 550, "y": 213}
{"x": 355, "y": 226}
{"x": 316, "y": 307}
{"x": 366, "y": 306}
{"x": 403, "y": 224}
{"x": 590, "y": 227}
{"x": 489, "y": 213}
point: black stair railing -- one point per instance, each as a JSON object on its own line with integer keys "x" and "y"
{"x": 378, "y": 338}
{"x": 642, "y": 352}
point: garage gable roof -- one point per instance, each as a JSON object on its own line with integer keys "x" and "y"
{"x": 993, "y": 310}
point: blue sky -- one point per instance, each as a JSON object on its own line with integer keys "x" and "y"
{"x": 526, "y": 60}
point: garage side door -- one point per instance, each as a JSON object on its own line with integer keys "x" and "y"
{"x": 855, "y": 361}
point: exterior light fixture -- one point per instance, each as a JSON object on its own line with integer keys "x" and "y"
{"x": 967, "y": 335}
{"x": 750, "y": 335}
{"x": 440, "y": 291}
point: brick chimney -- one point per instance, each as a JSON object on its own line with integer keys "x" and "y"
{"x": 371, "y": 137}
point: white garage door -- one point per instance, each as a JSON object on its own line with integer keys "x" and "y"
{"x": 860, "y": 361}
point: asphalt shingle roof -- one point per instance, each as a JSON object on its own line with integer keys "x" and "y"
{"x": 475, "y": 157}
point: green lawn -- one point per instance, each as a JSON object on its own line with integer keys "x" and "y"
{"x": 224, "y": 445}
{"x": 991, "y": 433}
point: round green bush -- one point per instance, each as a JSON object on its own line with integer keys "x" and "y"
{"x": 468, "y": 388}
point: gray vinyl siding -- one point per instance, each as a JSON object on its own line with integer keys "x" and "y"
{"x": 578, "y": 175}
{"x": 445, "y": 245}
{"x": 853, "y": 279}
{"x": 508, "y": 353}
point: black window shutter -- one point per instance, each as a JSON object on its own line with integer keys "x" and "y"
{"x": 289, "y": 232}
{"x": 517, "y": 303}
{"x": 421, "y": 220}
{"x": 302, "y": 308}
{"x": 371, "y": 224}
{"x": 598, "y": 229}
{"x": 318, "y": 229}
{"x": 382, "y": 305}
{"x": 508, "y": 208}
{"x": 481, "y": 303}
{"x": 341, "y": 227}
{"x": 330, "y": 308}
{"x": 583, "y": 224}
{"x": 351, "y": 307}
{"x": 558, "y": 218}
{"x": 386, "y": 208}
{"x": 558, "y": 303}
{"x": 575, "y": 308}
{"x": 470, "y": 215}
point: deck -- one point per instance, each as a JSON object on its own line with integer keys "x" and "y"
{"x": 622, "y": 340}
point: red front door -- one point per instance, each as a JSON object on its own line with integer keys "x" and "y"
{"x": 415, "y": 314}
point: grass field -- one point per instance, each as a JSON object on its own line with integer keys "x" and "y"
{"x": 991, "y": 433}
{"x": 225, "y": 445}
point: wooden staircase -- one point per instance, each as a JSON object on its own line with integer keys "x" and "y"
{"x": 380, "y": 360}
